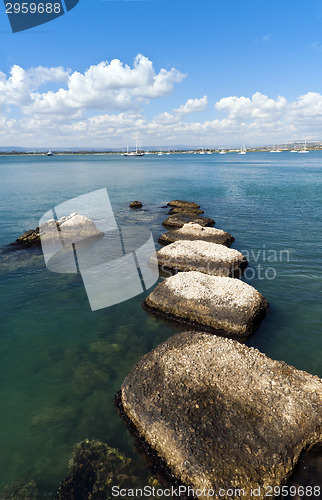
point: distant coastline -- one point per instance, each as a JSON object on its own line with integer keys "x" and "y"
{"x": 265, "y": 149}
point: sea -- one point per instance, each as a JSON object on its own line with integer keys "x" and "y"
{"x": 62, "y": 363}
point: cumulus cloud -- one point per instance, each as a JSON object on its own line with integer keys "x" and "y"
{"x": 106, "y": 86}
{"x": 103, "y": 106}
{"x": 192, "y": 106}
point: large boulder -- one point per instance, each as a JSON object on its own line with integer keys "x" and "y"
{"x": 183, "y": 204}
{"x": 198, "y": 255}
{"x": 193, "y": 231}
{"x": 179, "y": 220}
{"x": 225, "y": 418}
{"x": 225, "y": 306}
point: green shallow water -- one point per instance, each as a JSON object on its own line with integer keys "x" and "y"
{"x": 61, "y": 364}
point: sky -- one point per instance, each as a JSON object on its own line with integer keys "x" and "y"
{"x": 203, "y": 73}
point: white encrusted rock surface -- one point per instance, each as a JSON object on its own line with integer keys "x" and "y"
{"x": 223, "y": 416}
{"x": 198, "y": 255}
{"x": 224, "y": 305}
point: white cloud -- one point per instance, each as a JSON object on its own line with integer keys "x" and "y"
{"x": 103, "y": 107}
{"x": 192, "y": 106}
{"x": 107, "y": 86}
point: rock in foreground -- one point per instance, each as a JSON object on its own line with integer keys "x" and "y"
{"x": 226, "y": 306}
{"x": 198, "y": 255}
{"x": 193, "y": 231}
{"x": 223, "y": 416}
{"x": 179, "y": 220}
{"x": 183, "y": 204}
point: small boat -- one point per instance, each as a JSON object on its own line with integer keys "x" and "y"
{"x": 275, "y": 150}
{"x": 209, "y": 152}
{"x": 294, "y": 150}
{"x": 202, "y": 152}
{"x": 50, "y": 153}
{"x": 222, "y": 152}
{"x": 304, "y": 150}
{"x": 243, "y": 150}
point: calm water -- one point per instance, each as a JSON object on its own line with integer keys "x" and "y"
{"x": 61, "y": 364}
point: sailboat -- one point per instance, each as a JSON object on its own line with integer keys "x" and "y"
{"x": 304, "y": 150}
{"x": 202, "y": 152}
{"x": 134, "y": 153}
{"x": 243, "y": 150}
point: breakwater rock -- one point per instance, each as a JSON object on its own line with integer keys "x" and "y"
{"x": 179, "y": 220}
{"x": 73, "y": 228}
{"x": 186, "y": 210}
{"x": 193, "y": 231}
{"x": 224, "y": 417}
{"x": 183, "y": 204}
{"x": 226, "y": 306}
{"x": 135, "y": 204}
{"x": 209, "y": 258}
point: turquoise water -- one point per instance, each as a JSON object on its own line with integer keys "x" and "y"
{"x": 61, "y": 364}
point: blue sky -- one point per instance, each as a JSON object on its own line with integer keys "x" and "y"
{"x": 222, "y": 50}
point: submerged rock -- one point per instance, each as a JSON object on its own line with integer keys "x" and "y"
{"x": 94, "y": 468}
{"x": 223, "y": 416}
{"x": 225, "y": 306}
{"x": 183, "y": 204}
{"x": 209, "y": 258}
{"x": 73, "y": 228}
{"x": 179, "y": 220}
{"x": 186, "y": 210}
{"x": 135, "y": 204}
{"x": 193, "y": 231}
{"x": 21, "y": 490}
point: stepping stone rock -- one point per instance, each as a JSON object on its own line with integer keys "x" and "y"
{"x": 183, "y": 204}
{"x": 223, "y": 416}
{"x": 179, "y": 220}
{"x": 198, "y": 255}
{"x": 226, "y": 306}
{"x": 186, "y": 210}
{"x": 193, "y": 231}
{"x": 73, "y": 228}
{"x": 135, "y": 204}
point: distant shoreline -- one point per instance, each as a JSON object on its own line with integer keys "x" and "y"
{"x": 150, "y": 153}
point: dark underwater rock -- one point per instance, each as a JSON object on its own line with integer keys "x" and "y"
{"x": 21, "y": 490}
{"x": 186, "y": 210}
{"x": 223, "y": 416}
{"x": 193, "y": 231}
{"x": 183, "y": 204}
{"x": 94, "y": 468}
{"x": 225, "y": 306}
{"x": 135, "y": 204}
